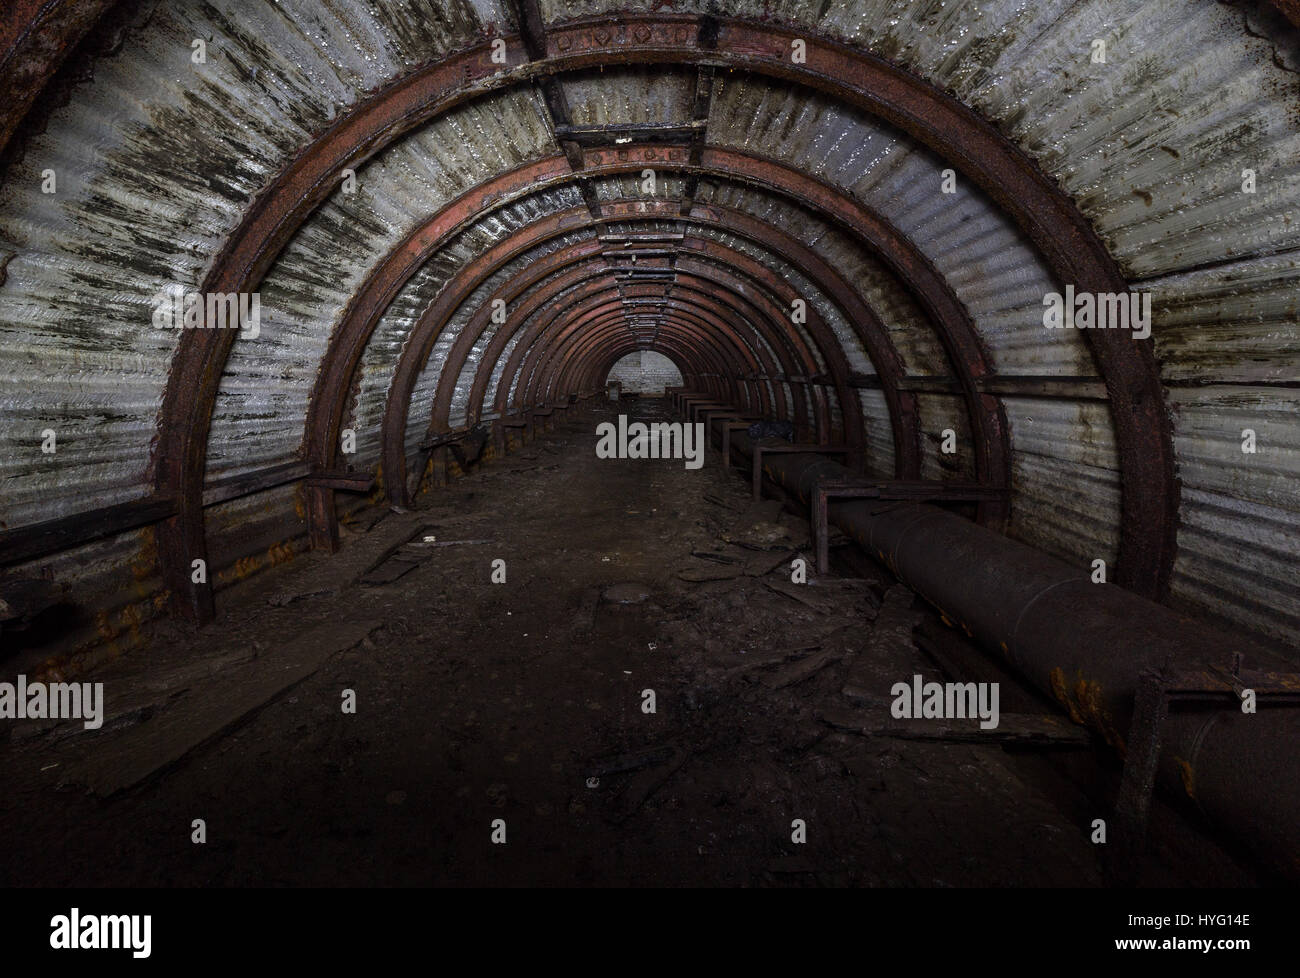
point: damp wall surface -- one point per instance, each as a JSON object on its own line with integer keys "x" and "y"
{"x": 158, "y": 160}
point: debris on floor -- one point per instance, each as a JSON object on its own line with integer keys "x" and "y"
{"x": 649, "y": 697}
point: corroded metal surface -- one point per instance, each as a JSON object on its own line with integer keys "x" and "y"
{"x": 1221, "y": 264}
{"x": 35, "y": 38}
{"x": 1085, "y": 645}
{"x": 920, "y": 111}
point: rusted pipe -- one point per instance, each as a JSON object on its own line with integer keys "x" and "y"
{"x": 1086, "y": 645}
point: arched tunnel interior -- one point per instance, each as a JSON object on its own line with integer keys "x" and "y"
{"x": 612, "y": 442}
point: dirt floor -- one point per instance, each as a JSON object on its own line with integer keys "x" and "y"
{"x": 524, "y": 701}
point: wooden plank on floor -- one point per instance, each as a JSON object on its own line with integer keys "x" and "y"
{"x": 1012, "y": 728}
{"x": 210, "y": 709}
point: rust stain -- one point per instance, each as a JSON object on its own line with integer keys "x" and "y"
{"x": 281, "y": 553}
{"x": 1082, "y": 699}
{"x": 1188, "y": 775}
{"x": 145, "y": 564}
{"x": 115, "y": 634}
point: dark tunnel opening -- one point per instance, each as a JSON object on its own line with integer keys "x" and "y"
{"x": 702, "y": 445}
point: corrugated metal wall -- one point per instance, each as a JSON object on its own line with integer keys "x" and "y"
{"x": 158, "y": 159}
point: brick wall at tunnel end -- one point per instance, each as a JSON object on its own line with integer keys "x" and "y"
{"x": 645, "y": 372}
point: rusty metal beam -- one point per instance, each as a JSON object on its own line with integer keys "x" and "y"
{"x": 1049, "y": 217}
{"x": 610, "y": 354}
{"x": 756, "y": 314}
{"x": 763, "y": 318}
{"x": 867, "y": 326}
{"x": 590, "y": 368}
{"x": 871, "y": 332}
{"x": 735, "y": 371}
{"x": 717, "y": 325}
{"x": 424, "y": 334}
{"x": 692, "y": 345}
{"x": 532, "y": 28}
{"x": 36, "y": 36}
{"x": 678, "y": 322}
{"x": 831, "y": 359}
{"x": 731, "y": 358}
{"x": 25, "y": 543}
{"x": 421, "y": 342}
{"x": 596, "y": 290}
{"x": 185, "y": 417}
{"x": 590, "y": 339}
{"x": 1087, "y": 646}
{"x": 543, "y": 173}
{"x": 956, "y": 332}
{"x": 825, "y": 339}
{"x": 954, "y": 328}
{"x": 608, "y": 344}
{"x": 469, "y": 336}
{"x": 331, "y": 391}
{"x": 673, "y": 331}
{"x": 707, "y": 309}
{"x": 670, "y": 345}
{"x": 1143, "y": 428}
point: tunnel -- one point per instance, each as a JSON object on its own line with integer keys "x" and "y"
{"x": 650, "y": 443}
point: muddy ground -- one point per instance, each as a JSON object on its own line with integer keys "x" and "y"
{"x": 524, "y": 701}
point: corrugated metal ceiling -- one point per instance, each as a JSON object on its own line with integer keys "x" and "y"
{"x": 158, "y": 162}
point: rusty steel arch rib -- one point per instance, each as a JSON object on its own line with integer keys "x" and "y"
{"x": 754, "y": 356}
{"x": 603, "y": 359}
{"x": 604, "y": 305}
{"x": 954, "y": 328}
{"x": 784, "y": 180}
{"x": 36, "y": 36}
{"x": 672, "y": 328}
{"x": 416, "y": 246}
{"x": 597, "y": 354}
{"x": 423, "y": 337}
{"x": 871, "y": 332}
{"x": 708, "y": 310}
{"x": 688, "y": 269}
{"x": 699, "y": 322}
{"x": 608, "y": 353}
{"x": 1072, "y": 249}
{"x": 733, "y": 356}
{"x": 762, "y": 318}
{"x": 185, "y": 416}
{"x": 758, "y": 308}
{"x": 474, "y": 328}
{"x": 551, "y": 353}
{"x": 846, "y": 414}
{"x": 948, "y": 316}
{"x": 580, "y": 367}
{"x": 861, "y": 318}
{"x": 575, "y": 343}
{"x": 674, "y": 333}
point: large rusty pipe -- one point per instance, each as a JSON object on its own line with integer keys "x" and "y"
{"x": 1085, "y": 645}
